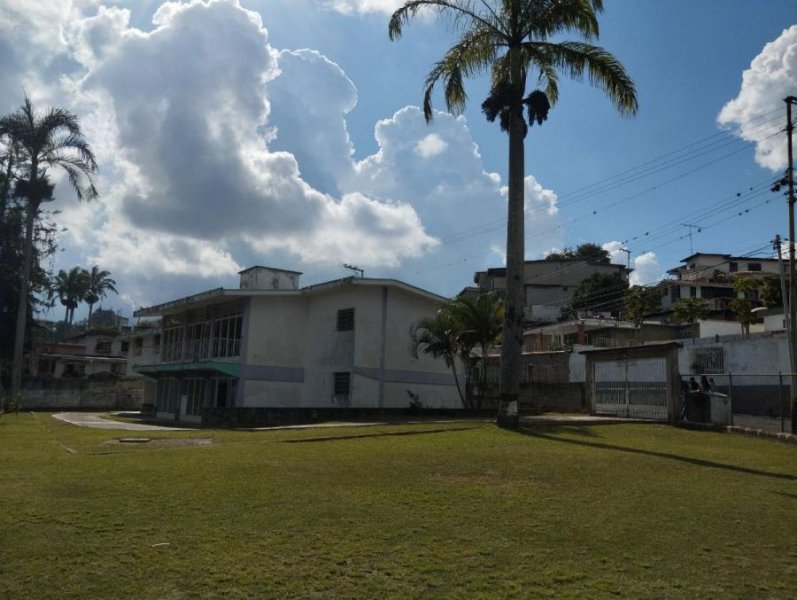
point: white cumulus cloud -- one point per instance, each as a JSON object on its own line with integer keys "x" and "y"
{"x": 771, "y": 77}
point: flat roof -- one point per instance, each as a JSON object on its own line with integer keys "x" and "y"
{"x": 270, "y": 269}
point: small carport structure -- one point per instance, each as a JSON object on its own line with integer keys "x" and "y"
{"x": 639, "y": 382}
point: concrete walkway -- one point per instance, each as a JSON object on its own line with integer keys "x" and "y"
{"x": 98, "y": 421}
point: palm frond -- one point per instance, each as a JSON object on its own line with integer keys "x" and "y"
{"x": 464, "y": 15}
{"x": 473, "y": 54}
{"x": 602, "y": 69}
{"x": 547, "y": 18}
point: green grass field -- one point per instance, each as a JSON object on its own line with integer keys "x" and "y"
{"x": 461, "y": 510}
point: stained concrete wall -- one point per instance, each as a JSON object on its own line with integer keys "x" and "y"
{"x": 83, "y": 394}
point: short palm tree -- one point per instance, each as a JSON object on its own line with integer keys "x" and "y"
{"x": 99, "y": 283}
{"x": 71, "y": 288}
{"x": 480, "y": 319}
{"x": 43, "y": 141}
{"x": 512, "y": 40}
{"x": 437, "y": 337}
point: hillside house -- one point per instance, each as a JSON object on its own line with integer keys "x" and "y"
{"x": 710, "y": 277}
{"x": 548, "y": 284}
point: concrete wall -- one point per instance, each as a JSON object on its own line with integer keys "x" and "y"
{"x": 559, "y": 397}
{"x": 274, "y": 341}
{"x": 83, "y": 394}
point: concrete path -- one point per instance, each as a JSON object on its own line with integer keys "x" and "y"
{"x": 578, "y": 420}
{"x": 98, "y": 421}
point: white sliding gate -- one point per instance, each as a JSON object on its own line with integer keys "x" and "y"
{"x": 631, "y": 387}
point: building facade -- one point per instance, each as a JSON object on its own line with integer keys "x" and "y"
{"x": 341, "y": 344}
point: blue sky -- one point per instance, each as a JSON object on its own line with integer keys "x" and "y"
{"x": 282, "y": 132}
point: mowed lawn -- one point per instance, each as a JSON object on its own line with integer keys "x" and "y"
{"x": 461, "y": 510}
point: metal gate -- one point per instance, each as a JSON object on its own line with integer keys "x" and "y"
{"x": 631, "y": 387}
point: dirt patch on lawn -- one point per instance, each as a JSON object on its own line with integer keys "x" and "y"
{"x": 167, "y": 442}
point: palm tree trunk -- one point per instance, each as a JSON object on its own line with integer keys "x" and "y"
{"x": 514, "y": 300}
{"x": 456, "y": 381}
{"x": 22, "y": 305}
{"x": 88, "y": 323}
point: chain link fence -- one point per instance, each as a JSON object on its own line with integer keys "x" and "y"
{"x": 752, "y": 400}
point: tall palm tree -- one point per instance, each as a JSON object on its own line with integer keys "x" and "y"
{"x": 71, "y": 288}
{"x": 512, "y": 40}
{"x": 43, "y": 141}
{"x": 99, "y": 283}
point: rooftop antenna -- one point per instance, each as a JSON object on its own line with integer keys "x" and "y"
{"x": 691, "y": 227}
{"x": 355, "y": 270}
{"x": 628, "y": 252}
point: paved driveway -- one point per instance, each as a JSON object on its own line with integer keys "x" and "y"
{"x": 98, "y": 421}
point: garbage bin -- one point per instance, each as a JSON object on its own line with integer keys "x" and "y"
{"x": 720, "y": 408}
{"x": 698, "y": 407}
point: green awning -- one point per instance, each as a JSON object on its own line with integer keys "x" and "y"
{"x": 230, "y": 369}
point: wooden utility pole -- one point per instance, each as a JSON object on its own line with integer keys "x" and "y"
{"x": 792, "y": 281}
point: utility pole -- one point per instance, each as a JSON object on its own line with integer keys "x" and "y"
{"x": 789, "y": 100}
{"x": 777, "y": 244}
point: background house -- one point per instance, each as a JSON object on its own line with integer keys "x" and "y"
{"x": 710, "y": 277}
{"x": 285, "y": 350}
{"x": 548, "y": 284}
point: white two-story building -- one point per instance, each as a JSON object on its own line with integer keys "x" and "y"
{"x": 343, "y": 344}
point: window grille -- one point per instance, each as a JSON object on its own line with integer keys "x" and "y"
{"x": 343, "y": 384}
{"x": 709, "y": 360}
{"x": 346, "y": 319}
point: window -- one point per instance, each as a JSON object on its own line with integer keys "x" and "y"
{"x": 103, "y": 347}
{"x": 753, "y": 266}
{"x": 693, "y": 292}
{"x": 343, "y": 384}
{"x": 167, "y": 397}
{"x": 125, "y": 348}
{"x": 173, "y": 343}
{"x": 156, "y": 344}
{"x": 226, "y": 390}
{"x": 195, "y": 396}
{"x": 346, "y": 319}
{"x": 733, "y": 267}
{"x": 138, "y": 346}
{"x": 118, "y": 369}
{"x": 227, "y": 336}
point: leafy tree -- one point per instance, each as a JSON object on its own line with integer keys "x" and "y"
{"x": 742, "y": 306}
{"x": 515, "y": 40}
{"x": 592, "y": 253}
{"x": 99, "y": 283}
{"x": 71, "y": 287}
{"x": 771, "y": 291}
{"x": 600, "y": 292}
{"x": 641, "y": 300}
{"x": 42, "y": 142}
{"x": 690, "y": 310}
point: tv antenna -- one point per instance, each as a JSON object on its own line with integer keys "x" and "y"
{"x": 355, "y": 270}
{"x": 691, "y": 227}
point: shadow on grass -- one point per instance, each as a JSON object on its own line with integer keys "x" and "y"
{"x": 549, "y": 433}
{"x": 334, "y": 438}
